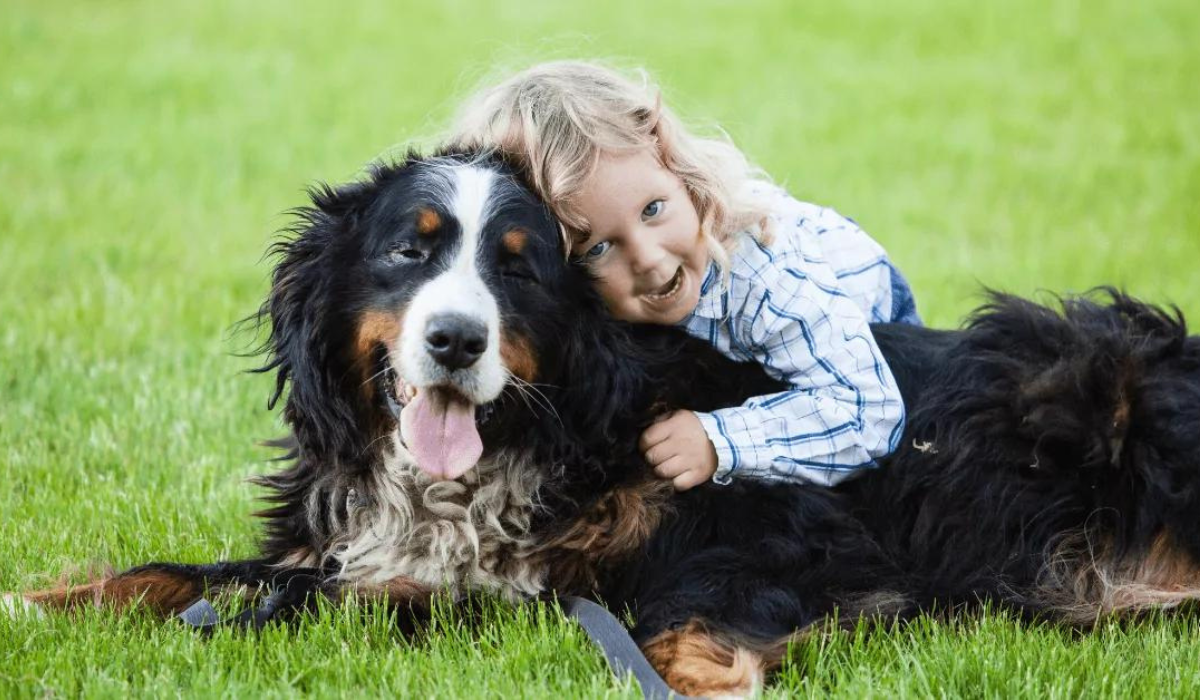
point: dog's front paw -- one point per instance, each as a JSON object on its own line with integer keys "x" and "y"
{"x": 15, "y": 605}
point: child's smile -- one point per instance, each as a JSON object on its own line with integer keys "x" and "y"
{"x": 644, "y": 243}
{"x": 668, "y": 291}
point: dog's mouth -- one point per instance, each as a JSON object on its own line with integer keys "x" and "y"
{"x": 396, "y": 393}
{"x": 438, "y": 425}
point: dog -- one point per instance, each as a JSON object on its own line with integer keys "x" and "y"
{"x": 464, "y": 418}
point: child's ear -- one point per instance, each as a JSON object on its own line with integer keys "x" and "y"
{"x": 660, "y": 130}
{"x": 649, "y": 117}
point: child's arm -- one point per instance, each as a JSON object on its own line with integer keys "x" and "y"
{"x": 845, "y": 409}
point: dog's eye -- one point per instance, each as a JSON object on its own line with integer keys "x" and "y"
{"x": 403, "y": 253}
{"x": 518, "y": 273}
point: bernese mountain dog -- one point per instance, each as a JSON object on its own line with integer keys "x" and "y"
{"x": 464, "y": 418}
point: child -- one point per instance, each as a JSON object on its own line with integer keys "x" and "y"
{"x": 680, "y": 230}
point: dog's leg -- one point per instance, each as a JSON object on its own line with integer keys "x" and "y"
{"x": 412, "y": 600}
{"x": 164, "y": 588}
{"x": 696, "y": 661}
{"x": 400, "y": 592}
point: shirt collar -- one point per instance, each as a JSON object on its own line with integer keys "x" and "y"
{"x": 713, "y": 296}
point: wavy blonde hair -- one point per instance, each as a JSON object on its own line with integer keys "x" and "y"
{"x": 557, "y": 119}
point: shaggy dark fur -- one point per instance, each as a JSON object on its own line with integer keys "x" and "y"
{"x": 1050, "y": 462}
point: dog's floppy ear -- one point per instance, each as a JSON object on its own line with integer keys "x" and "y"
{"x": 302, "y": 345}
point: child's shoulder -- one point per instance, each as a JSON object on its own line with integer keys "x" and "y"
{"x": 790, "y": 226}
{"x": 787, "y": 218}
{"x": 758, "y": 269}
{"x": 804, "y": 232}
{"x": 790, "y": 213}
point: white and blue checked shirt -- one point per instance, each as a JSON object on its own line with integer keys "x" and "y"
{"x": 800, "y": 308}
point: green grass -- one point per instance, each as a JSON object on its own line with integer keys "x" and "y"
{"x": 148, "y": 149}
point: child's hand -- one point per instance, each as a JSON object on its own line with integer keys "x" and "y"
{"x": 679, "y": 449}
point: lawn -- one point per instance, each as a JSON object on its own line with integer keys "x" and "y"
{"x": 149, "y": 150}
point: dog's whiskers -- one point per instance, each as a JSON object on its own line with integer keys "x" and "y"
{"x": 529, "y": 391}
{"x": 375, "y": 376}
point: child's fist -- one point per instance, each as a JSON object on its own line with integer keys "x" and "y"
{"x": 678, "y": 449}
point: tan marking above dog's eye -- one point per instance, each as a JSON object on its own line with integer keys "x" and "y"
{"x": 514, "y": 241}
{"x": 428, "y": 221}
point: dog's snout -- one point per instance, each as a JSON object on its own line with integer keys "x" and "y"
{"x": 455, "y": 341}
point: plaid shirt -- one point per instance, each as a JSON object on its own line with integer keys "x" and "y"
{"x": 800, "y": 308}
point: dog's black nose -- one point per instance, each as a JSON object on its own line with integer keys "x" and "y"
{"x": 454, "y": 340}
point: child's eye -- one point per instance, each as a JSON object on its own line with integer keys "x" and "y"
{"x": 653, "y": 209}
{"x": 597, "y": 250}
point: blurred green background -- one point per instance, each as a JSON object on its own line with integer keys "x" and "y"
{"x": 149, "y": 150}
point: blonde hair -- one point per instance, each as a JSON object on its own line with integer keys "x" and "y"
{"x": 557, "y": 119}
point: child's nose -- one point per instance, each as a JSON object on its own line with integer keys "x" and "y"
{"x": 644, "y": 257}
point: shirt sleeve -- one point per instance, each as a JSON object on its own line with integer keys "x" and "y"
{"x": 844, "y": 409}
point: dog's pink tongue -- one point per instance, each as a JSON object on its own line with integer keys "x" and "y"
{"x": 439, "y": 430}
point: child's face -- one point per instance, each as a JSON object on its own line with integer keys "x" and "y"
{"x": 644, "y": 245}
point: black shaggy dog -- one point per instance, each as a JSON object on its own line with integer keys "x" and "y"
{"x": 465, "y": 417}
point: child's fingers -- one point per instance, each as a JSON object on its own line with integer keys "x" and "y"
{"x": 671, "y": 467}
{"x": 664, "y": 451}
{"x": 657, "y": 433}
{"x": 689, "y": 479}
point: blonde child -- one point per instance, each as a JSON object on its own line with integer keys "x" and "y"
{"x": 681, "y": 230}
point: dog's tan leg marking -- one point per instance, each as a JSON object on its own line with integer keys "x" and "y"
{"x": 400, "y": 591}
{"x": 163, "y": 592}
{"x": 695, "y": 662}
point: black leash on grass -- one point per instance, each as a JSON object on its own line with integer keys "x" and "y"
{"x": 288, "y": 591}
{"x": 606, "y": 632}
{"x": 623, "y": 655}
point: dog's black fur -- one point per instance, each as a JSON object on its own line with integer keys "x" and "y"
{"x": 1049, "y": 464}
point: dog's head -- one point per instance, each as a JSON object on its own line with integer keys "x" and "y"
{"x": 411, "y": 300}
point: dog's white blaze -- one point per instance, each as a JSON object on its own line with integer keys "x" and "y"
{"x": 469, "y": 534}
{"x": 468, "y": 192}
{"x": 472, "y": 198}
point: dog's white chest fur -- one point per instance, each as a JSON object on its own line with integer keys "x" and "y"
{"x": 472, "y": 533}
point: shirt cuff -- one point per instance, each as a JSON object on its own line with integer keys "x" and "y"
{"x": 731, "y": 436}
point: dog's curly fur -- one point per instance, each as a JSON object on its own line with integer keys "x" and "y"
{"x": 1050, "y": 461}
